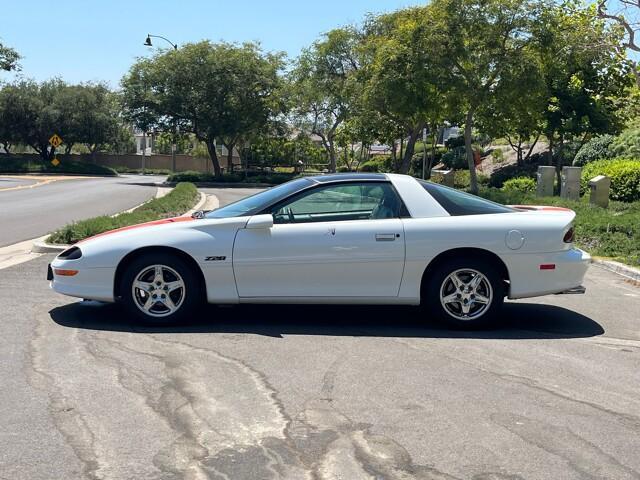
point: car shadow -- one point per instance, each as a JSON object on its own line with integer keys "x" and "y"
{"x": 518, "y": 321}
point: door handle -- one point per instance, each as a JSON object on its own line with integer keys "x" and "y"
{"x": 386, "y": 237}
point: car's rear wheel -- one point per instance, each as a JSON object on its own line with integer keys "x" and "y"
{"x": 465, "y": 293}
{"x": 160, "y": 289}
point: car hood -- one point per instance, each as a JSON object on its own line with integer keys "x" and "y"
{"x": 164, "y": 221}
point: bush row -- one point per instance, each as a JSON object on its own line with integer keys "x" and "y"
{"x": 16, "y": 164}
{"x": 251, "y": 177}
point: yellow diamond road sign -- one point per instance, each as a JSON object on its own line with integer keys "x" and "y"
{"x": 55, "y": 140}
{"x": 55, "y": 162}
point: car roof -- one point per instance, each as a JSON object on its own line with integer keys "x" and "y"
{"x": 341, "y": 177}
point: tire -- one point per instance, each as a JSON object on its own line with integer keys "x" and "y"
{"x": 177, "y": 290}
{"x": 465, "y": 293}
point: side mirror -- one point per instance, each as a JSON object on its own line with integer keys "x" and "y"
{"x": 260, "y": 221}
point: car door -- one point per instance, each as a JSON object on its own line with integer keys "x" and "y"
{"x": 337, "y": 240}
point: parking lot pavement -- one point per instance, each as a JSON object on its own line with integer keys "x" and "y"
{"x": 318, "y": 392}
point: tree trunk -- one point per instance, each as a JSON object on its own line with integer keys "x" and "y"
{"x": 229, "y": 148}
{"x": 408, "y": 152}
{"x": 432, "y": 159}
{"x": 531, "y": 148}
{"x": 559, "y": 162}
{"x": 473, "y": 178}
{"x": 332, "y": 156}
{"x": 550, "y": 149}
{"x": 211, "y": 148}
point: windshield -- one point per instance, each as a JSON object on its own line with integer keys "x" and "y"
{"x": 258, "y": 202}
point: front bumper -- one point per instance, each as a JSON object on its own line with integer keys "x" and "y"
{"x": 89, "y": 283}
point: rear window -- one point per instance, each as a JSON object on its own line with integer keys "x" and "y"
{"x": 458, "y": 203}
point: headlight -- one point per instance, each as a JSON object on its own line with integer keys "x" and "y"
{"x": 72, "y": 253}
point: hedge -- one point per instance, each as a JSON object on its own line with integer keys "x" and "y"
{"x": 624, "y": 175}
{"x": 252, "y": 177}
{"x": 17, "y": 164}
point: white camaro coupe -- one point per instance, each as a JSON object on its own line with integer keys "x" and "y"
{"x": 344, "y": 238}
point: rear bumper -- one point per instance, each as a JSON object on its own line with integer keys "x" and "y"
{"x": 528, "y": 280}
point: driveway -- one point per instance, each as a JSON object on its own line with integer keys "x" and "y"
{"x": 319, "y": 392}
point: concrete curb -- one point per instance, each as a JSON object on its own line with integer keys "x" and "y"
{"x": 618, "y": 268}
{"x": 198, "y": 206}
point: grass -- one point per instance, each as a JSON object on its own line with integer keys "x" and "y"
{"x": 17, "y": 164}
{"x": 612, "y": 232}
{"x": 179, "y": 200}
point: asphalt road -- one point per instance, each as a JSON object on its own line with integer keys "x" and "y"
{"x": 319, "y": 392}
{"x": 33, "y": 212}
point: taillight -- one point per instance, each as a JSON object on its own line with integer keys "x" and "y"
{"x": 570, "y": 236}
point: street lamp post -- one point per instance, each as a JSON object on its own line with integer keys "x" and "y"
{"x": 147, "y": 42}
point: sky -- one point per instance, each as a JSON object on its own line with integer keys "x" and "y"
{"x": 93, "y": 40}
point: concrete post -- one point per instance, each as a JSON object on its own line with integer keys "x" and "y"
{"x": 570, "y": 188}
{"x": 546, "y": 178}
{"x": 600, "y": 186}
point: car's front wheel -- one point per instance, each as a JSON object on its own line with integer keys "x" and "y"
{"x": 465, "y": 293}
{"x": 160, "y": 289}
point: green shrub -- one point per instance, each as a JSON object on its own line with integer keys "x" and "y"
{"x": 624, "y": 175}
{"x": 520, "y": 184}
{"x": 627, "y": 144}
{"x": 498, "y": 155}
{"x": 507, "y": 172}
{"x": 454, "y": 142}
{"x": 369, "y": 167}
{"x": 382, "y": 163}
{"x": 251, "y": 177}
{"x": 595, "y": 149}
{"x": 462, "y": 179}
{"x": 455, "y": 159}
{"x": 343, "y": 169}
{"x": 178, "y": 201}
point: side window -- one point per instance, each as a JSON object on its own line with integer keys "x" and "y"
{"x": 339, "y": 202}
{"x": 458, "y": 203}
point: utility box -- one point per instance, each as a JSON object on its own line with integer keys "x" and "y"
{"x": 546, "y": 179}
{"x": 600, "y": 187}
{"x": 448, "y": 177}
{"x": 570, "y": 187}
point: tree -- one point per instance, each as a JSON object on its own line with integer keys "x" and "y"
{"x": 215, "y": 91}
{"x": 583, "y": 74}
{"x": 34, "y": 112}
{"x": 401, "y": 74}
{"x": 510, "y": 114}
{"x": 626, "y": 15}
{"x": 480, "y": 41}
{"x": 8, "y": 58}
{"x": 30, "y": 113}
{"x": 323, "y": 86}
